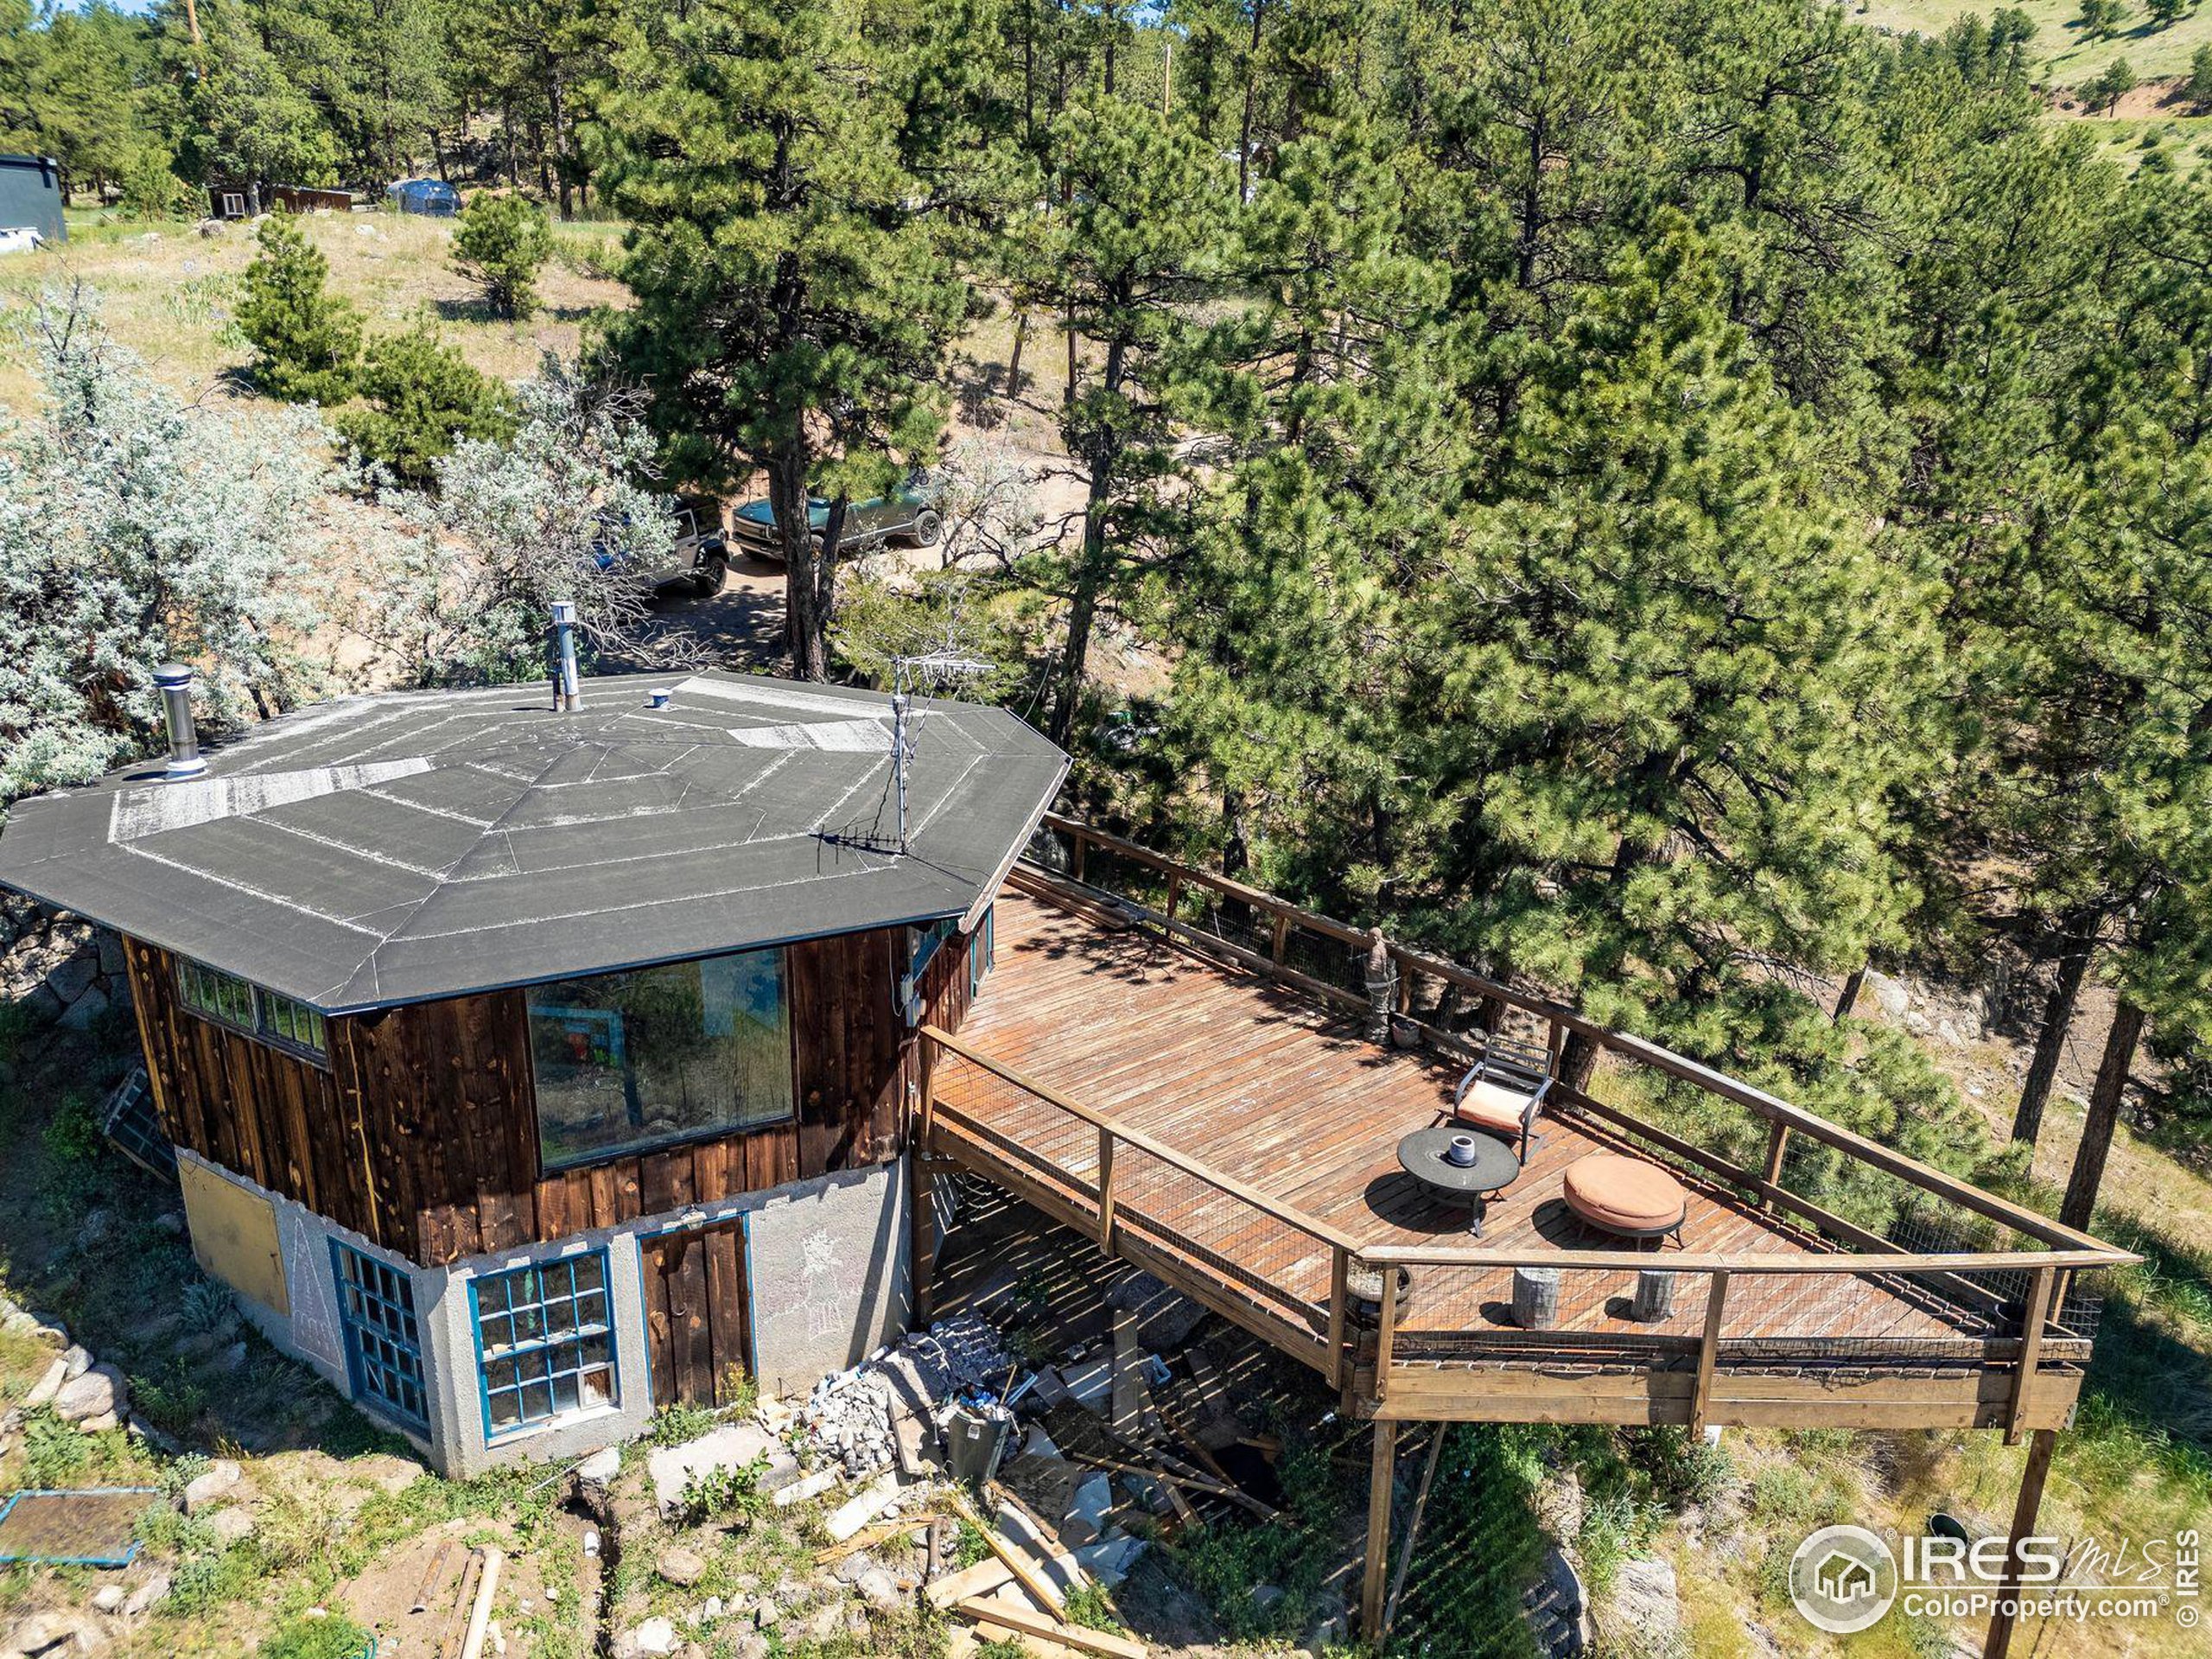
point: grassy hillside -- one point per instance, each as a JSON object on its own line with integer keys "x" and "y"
{"x": 2061, "y": 52}
{"x": 169, "y": 291}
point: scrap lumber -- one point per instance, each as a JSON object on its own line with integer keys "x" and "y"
{"x": 464, "y": 1594}
{"x": 479, "y": 1617}
{"x": 1079, "y": 1636}
{"x": 1192, "y": 1481}
{"x": 1030, "y": 1577}
{"x": 1412, "y": 1534}
{"x": 872, "y": 1534}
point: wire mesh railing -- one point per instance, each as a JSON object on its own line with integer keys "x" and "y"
{"x": 1131, "y": 1194}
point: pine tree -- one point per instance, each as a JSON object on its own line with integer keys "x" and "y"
{"x": 1673, "y": 682}
{"x": 795, "y": 294}
{"x": 418, "y": 399}
{"x": 1131, "y": 246}
{"x": 501, "y": 241}
{"x": 305, "y": 338}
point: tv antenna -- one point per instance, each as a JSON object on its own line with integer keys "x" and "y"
{"x": 938, "y": 667}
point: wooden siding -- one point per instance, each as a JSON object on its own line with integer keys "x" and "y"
{"x": 421, "y": 1133}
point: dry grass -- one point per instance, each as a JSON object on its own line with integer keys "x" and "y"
{"x": 169, "y": 291}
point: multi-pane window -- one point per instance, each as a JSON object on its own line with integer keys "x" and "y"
{"x": 679, "y": 1051}
{"x": 983, "y": 949}
{"x": 383, "y": 1346}
{"x": 265, "y": 1013}
{"x": 542, "y": 1342}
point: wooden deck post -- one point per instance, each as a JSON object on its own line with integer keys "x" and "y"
{"x": 1339, "y": 1293}
{"x": 1708, "y": 1350}
{"x": 1386, "y": 1326}
{"x": 2039, "y": 1309}
{"x": 1381, "y": 1476}
{"x": 921, "y": 1195}
{"x": 1106, "y": 1189}
{"x": 1777, "y": 1142}
{"x": 2041, "y": 1444}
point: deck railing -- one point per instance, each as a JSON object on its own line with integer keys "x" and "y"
{"x": 2009, "y": 1285}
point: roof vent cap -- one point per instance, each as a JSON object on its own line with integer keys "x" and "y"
{"x": 174, "y": 680}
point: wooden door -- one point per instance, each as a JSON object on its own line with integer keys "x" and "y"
{"x": 698, "y": 1314}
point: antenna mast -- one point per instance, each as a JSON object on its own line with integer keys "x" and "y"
{"x": 934, "y": 668}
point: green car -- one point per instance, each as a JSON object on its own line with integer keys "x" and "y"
{"x": 905, "y": 514}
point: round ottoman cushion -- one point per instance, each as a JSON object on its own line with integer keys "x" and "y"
{"x": 1625, "y": 1194}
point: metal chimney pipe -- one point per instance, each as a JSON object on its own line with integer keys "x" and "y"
{"x": 565, "y": 692}
{"x": 175, "y": 682}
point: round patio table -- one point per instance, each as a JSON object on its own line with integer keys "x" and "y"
{"x": 1423, "y": 1154}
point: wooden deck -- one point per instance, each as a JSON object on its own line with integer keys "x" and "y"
{"x": 1279, "y": 1096}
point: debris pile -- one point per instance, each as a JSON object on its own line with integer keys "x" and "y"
{"x": 887, "y": 1411}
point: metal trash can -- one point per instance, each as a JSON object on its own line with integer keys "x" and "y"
{"x": 975, "y": 1439}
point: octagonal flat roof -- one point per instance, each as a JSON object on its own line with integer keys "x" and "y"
{"x": 384, "y": 849}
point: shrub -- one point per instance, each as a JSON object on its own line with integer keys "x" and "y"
{"x": 151, "y": 189}
{"x": 305, "y": 340}
{"x": 53, "y": 1452}
{"x": 72, "y": 1135}
{"x": 420, "y": 395}
{"x": 331, "y": 1638}
{"x": 501, "y": 241}
{"x": 724, "y": 1491}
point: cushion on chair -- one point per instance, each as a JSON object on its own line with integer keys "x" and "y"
{"x": 1625, "y": 1195}
{"x": 1493, "y": 1107}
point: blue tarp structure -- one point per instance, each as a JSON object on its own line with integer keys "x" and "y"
{"x": 432, "y": 196}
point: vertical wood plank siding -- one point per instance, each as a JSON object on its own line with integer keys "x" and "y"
{"x": 420, "y": 1134}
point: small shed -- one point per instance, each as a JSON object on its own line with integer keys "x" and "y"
{"x": 30, "y": 195}
{"x": 308, "y": 198}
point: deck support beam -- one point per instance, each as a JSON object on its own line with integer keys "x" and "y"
{"x": 1381, "y": 1477}
{"x": 2041, "y": 1445}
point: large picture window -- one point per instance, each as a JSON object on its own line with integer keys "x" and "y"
{"x": 680, "y": 1052}
{"x": 543, "y": 1345}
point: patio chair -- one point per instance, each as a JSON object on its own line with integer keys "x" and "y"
{"x": 1504, "y": 1091}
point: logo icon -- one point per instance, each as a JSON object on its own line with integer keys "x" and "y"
{"x": 1843, "y": 1579}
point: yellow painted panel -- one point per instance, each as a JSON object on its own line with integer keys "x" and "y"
{"x": 234, "y": 1236}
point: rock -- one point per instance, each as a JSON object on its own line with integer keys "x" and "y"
{"x": 85, "y": 1009}
{"x": 1326, "y": 1636}
{"x": 77, "y": 1359}
{"x": 74, "y": 977}
{"x": 101, "y": 1424}
{"x": 1917, "y": 1023}
{"x": 1166, "y": 1317}
{"x": 109, "y": 1598}
{"x": 732, "y": 1446}
{"x": 46, "y": 1387}
{"x": 231, "y": 1526}
{"x": 1557, "y": 1609}
{"x": 681, "y": 1566}
{"x": 170, "y": 1222}
{"x": 767, "y": 1616}
{"x": 854, "y": 1568}
{"x": 109, "y": 947}
{"x": 807, "y": 1486}
{"x": 600, "y": 1468}
{"x": 1948, "y": 1034}
{"x": 99, "y": 1392}
{"x": 654, "y": 1635}
{"x": 1086, "y": 1518}
{"x": 1889, "y": 995}
{"x": 47, "y": 1636}
{"x": 152, "y": 1592}
{"x": 232, "y": 1358}
{"x": 1266, "y": 1598}
{"x": 1644, "y": 1612}
{"x": 210, "y": 1484}
{"x": 94, "y": 1227}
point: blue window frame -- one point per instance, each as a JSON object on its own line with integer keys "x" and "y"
{"x": 922, "y": 946}
{"x": 384, "y": 1345}
{"x": 983, "y": 949}
{"x": 544, "y": 1347}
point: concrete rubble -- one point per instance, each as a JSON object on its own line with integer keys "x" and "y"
{"x": 854, "y": 1418}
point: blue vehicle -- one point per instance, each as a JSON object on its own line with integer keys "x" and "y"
{"x": 434, "y": 197}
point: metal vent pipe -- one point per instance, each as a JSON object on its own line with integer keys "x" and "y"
{"x": 566, "y": 694}
{"x": 175, "y": 681}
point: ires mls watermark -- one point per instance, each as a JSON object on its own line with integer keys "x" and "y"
{"x": 1845, "y": 1579}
